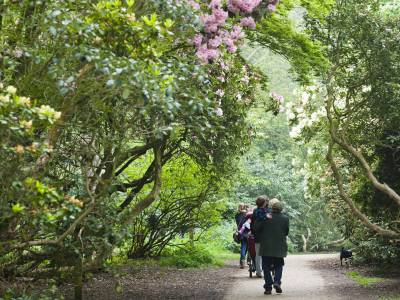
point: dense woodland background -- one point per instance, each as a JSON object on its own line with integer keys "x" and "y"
{"x": 122, "y": 138}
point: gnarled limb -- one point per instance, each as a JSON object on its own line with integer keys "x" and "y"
{"x": 148, "y": 177}
{"x": 67, "y": 109}
{"x": 341, "y": 141}
{"x": 156, "y": 190}
{"x": 343, "y": 194}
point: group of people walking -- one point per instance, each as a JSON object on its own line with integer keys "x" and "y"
{"x": 269, "y": 227}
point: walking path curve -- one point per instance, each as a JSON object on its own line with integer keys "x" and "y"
{"x": 300, "y": 281}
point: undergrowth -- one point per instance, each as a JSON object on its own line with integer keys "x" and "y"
{"x": 362, "y": 280}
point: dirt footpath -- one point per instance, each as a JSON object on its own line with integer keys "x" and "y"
{"x": 311, "y": 277}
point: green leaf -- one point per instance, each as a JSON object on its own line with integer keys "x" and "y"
{"x": 150, "y": 22}
{"x": 17, "y": 208}
{"x": 168, "y": 23}
{"x": 125, "y": 94}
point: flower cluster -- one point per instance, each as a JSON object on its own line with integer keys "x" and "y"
{"x": 303, "y": 113}
{"x": 215, "y": 34}
{"x": 246, "y": 6}
{"x": 47, "y": 112}
{"x": 272, "y": 5}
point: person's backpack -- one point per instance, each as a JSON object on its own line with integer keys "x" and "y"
{"x": 237, "y": 237}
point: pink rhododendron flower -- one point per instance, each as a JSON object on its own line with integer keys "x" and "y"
{"x": 194, "y": 4}
{"x": 213, "y": 21}
{"x": 224, "y": 66}
{"x": 248, "y": 22}
{"x": 271, "y": 7}
{"x": 236, "y": 32}
{"x": 197, "y": 40}
{"x": 221, "y": 78}
{"x": 229, "y": 42}
{"x": 220, "y": 93}
{"x": 246, "y": 6}
{"x": 215, "y": 4}
{"x": 205, "y": 54}
{"x": 215, "y": 42}
{"x": 232, "y": 49}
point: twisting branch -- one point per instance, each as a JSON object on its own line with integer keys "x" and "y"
{"x": 343, "y": 194}
{"x": 338, "y": 178}
{"x": 383, "y": 187}
{"x": 132, "y": 154}
{"x": 156, "y": 190}
{"x": 148, "y": 177}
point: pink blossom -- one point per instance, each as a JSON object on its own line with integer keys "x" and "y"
{"x": 194, "y": 4}
{"x": 205, "y": 54}
{"x": 220, "y": 15}
{"x": 224, "y": 66}
{"x": 248, "y": 22}
{"x": 246, "y": 6}
{"x": 215, "y": 42}
{"x": 221, "y": 78}
{"x": 213, "y": 21}
{"x": 229, "y": 42}
{"x": 236, "y": 32}
{"x": 197, "y": 40}
{"x": 271, "y": 7}
{"x": 232, "y": 49}
{"x": 279, "y": 98}
{"x": 220, "y": 93}
{"x": 215, "y": 4}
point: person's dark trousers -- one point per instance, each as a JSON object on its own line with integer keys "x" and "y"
{"x": 267, "y": 265}
{"x": 243, "y": 249}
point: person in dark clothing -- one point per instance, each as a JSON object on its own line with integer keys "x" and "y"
{"x": 261, "y": 214}
{"x": 272, "y": 235}
{"x": 240, "y": 219}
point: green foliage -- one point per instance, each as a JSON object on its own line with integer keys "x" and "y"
{"x": 279, "y": 34}
{"x": 361, "y": 93}
{"x": 130, "y": 133}
{"x": 361, "y": 280}
{"x": 190, "y": 257}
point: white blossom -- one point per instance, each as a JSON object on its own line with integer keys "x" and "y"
{"x": 11, "y": 90}
{"x": 219, "y": 112}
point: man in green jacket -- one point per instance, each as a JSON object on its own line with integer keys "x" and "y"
{"x": 272, "y": 235}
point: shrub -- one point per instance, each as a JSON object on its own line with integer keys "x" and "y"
{"x": 191, "y": 257}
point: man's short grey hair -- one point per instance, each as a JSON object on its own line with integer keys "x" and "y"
{"x": 276, "y": 205}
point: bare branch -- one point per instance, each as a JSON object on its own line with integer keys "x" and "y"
{"x": 343, "y": 194}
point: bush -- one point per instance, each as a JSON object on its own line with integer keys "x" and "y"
{"x": 191, "y": 257}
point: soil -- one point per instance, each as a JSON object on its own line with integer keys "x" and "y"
{"x": 161, "y": 283}
{"x": 147, "y": 283}
{"x": 313, "y": 276}
{"x": 335, "y": 275}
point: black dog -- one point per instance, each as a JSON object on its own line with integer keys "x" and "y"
{"x": 347, "y": 255}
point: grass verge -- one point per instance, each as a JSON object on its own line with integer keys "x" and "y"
{"x": 362, "y": 280}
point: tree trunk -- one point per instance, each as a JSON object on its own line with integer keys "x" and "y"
{"x": 78, "y": 278}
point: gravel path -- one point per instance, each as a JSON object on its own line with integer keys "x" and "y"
{"x": 300, "y": 281}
